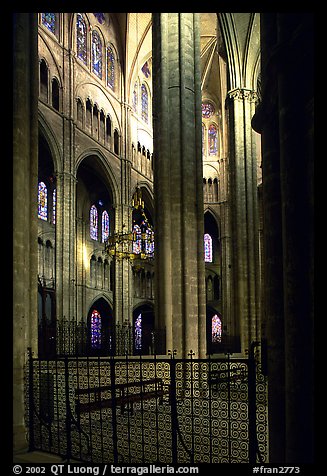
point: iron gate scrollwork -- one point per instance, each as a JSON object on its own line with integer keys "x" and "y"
{"x": 148, "y": 410}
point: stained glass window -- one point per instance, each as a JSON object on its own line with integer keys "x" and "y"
{"x": 203, "y": 132}
{"x": 145, "y": 103}
{"x": 216, "y": 328}
{"x": 137, "y": 239}
{"x": 105, "y": 226}
{"x": 149, "y": 245}
{"x": 96, "y": 54}
{"x": 54, "y": 204}
{"x": 95, "y": 330}
{"x": 49, "y": 20}
{"x": 135, "y": 97}
{"x": 94, "y": 223}
{"x": 207, "y": 248}
{"x": 110, "y": 68}
{"x": 212, "y": 140}
{"x": 100, "y": 17}
{"x": 81, "y": 38}
{"x": 207, "y": 110}
{"x": 146, "y": 70}
{"x": 43, "y": 201}
{"x": 138, "y": 332}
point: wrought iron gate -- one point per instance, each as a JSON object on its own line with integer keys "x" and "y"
{"x": 148, "y": 410}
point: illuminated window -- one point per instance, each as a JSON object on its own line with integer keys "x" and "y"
{"x": 43, "y": 201}
{"x": 105, "y": 226}
{"x": 100, "y": 17}
{"x": 146, "y": 70}
{"x": 212, "y": 140}
{"x": 207, "y": 248}
{"x": 138, "y": 332}
{"x": 49, "y": 20}
{"x": 145, "y": 103}
{"x": 81, "y": 38}
{"x": 110, "y": 68}
{"x": 137, "y": 239}
{"x": 94, "y": 223}
{"x": 95, "y": 330}
{"x": 216, "y": 329}
{"x": 207, "y": 110}
{"x": 97, "y": 54}
{"x": 54, "y": 204}
{"x": 135, "y": 98}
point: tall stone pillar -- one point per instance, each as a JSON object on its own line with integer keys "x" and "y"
{"x": 244, "y": 216}
{"x": 25, "y": 171}
{"x": 179, "y": 259}
{"x": 285, "y": 120}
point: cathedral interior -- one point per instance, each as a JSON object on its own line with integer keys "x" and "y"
{"x": 163, "y": 212}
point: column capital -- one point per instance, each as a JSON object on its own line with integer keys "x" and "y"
{"x": 241, "y": 94}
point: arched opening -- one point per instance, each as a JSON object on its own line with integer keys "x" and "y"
{"x": 101, "y": 328}
{"x": 143, "y": 330}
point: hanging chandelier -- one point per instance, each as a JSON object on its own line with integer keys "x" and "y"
{"x": 137, "y": 243}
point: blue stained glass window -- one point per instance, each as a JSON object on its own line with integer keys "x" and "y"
{"x": 216, "y": 329}
{"x": 110, "y": 68}
{"x": 96, "y": 329}
{"x": 81, "y": 38}
{"x": 105, "y": 226}
{"x": 212, "y": 140}
{"x": 203, "y": 132}
{"x": 207, "y": 248}
{"x": 138, "y": 332}
{"x": 137, "y": 239}
{"x": 145, "y": 103}
{"x": 207, "y": 110}
{"x": 50, "y": 21}
{"x": 54, "y": 204}
{"x": 149, "y": 245}
{"x": 135, "y": 97}
{"x": 94, "y": 223}
{"x": 100, "y": 17}
{"x": 96, "y": 54}
{"x": 146, "y": 70}
{"x": 43, "y": 201}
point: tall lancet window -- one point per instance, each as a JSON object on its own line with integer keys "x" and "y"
{"x": 207, "y": 248}
{"x": 216, "y": 328}
{"x": 43, "y": 201}
{"x": 135, "y": 98}
{"x": 54, "y": 205}
{"x": 95, "y": 329}
{"x": 81, "y": 38}
{"x": 212, "y": 140}
{"x": 96, "y": 54}
{"x": 94, "y": 223}
{"x": 138, "y": 332}
{"x": 110, "y": 68}
{"x": 145, "y": 103}
{"x": 105, "y": 225}
{"x": 137, "y": 239}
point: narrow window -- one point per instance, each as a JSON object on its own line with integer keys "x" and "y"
{"x": 96, "y": 54}
{"x": 135, "y": 98}
{"x": 212, "y": 140}
{"x": 216, "y": 329}
{"x": 105, "y": 226}
{"x": 49, "y": 20}
{"x": 43, "y": 81}
{"x": 81, "y": 38}
{"x": 54, "y": 204}
{"x": 94, "y": 223}
{"x": 145, "y": 103}
{"x": 43, "y": 201}
{"x": 95, "y": 330}
{"x": 55, "y": 94}
{"x": 138, "y": 332}
{"x": 137, "y": 239}
{"x": 207, "y": 248}
{"x": 110, "y": 68}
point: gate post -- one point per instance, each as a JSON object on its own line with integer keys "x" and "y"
{"x": 68, "y": 413}
{"x": 114, "y": 408}
{"x": 252, "y": 404}
{"x": 30, "y": 400}
{"x": 173, "y": 406}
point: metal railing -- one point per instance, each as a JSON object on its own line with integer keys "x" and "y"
{"x": 148, "y": 410}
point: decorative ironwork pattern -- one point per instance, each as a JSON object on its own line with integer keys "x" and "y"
{"x": 148, "y": 410}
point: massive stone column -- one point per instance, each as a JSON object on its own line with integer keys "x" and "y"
{"x": 284, "y": 119}
{"x": 179, "y": 260}
{"x": 244, "y": 215}
{"x": 25, "y": 171}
